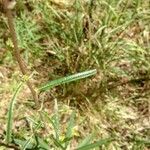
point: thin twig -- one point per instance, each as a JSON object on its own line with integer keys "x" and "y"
{"x": 8, "y": 6}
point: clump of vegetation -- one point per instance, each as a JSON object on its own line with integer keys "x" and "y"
{"x": 59, "y": 40}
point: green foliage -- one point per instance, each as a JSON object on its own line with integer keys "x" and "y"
{"x": 69, "y": 132}
{"x": 68, "y": 79}
{"x": 65, "y": 143}
{"x": 21, "y": 143}
{"x": 94, "y": 145}
{"x": 11, "y": 114}
{"x": 36, "y": 142}
{"x": 28, "y": 33}
{"x": 109, "y": 35}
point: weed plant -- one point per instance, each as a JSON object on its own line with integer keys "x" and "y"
{"x": 112, "y": 36}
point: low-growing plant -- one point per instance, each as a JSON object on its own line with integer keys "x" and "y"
{"x": 35, "y": 141}
{"x": 109, "y": 35}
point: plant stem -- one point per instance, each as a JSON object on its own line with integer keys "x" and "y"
{"x": 16, "y": 52}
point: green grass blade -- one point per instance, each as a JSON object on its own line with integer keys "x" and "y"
{"x": 86, "y": 141}
{"x": 10, "y": 114}
{"x": 43, "y": 144}
{"x": 29, "y": 141}
{"x": 69, "y": 132}
{"x": 56, "y": 142}
{"x": 67, "y": 79}
{"x": 54, "y": 120}
{"x": 21, "y": 143}
{"x": 96, "y": 144}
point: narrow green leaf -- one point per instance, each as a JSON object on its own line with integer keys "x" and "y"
{"x": 21, "y": 143}
{"x": 94, "y": 145}
{"x": 70, "y": 128}
{"x": 86, "y": 141}
{"x": 57, "y": 142}
{"x": 68, "y": 79}
{"x": 27, "y": 143}
{"x": 10, "y": 114}
{"x": 56, "y": 119}
{"x": 54, "y": 124}
{"x": 66, "y": 140}
{"x": 43, "y": 144}
{"x": 31, "y": 139}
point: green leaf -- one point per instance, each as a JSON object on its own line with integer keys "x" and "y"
{"x": 21, "y": 143}
{"x": 94, "y": 145}
{"x": 57, "y": 142}
{"x": 43, "y": 144}
{"x": 30, "y": 140}
{"x": 86, "y": 141}
{"x": 54, "y": 121}
{"x": 70, "y": 128}
{"x": 27, "y": 143}
{"x": 68, "y": 79}
{"x": 10, "y": 114}
{"x": 66, "y": 140}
